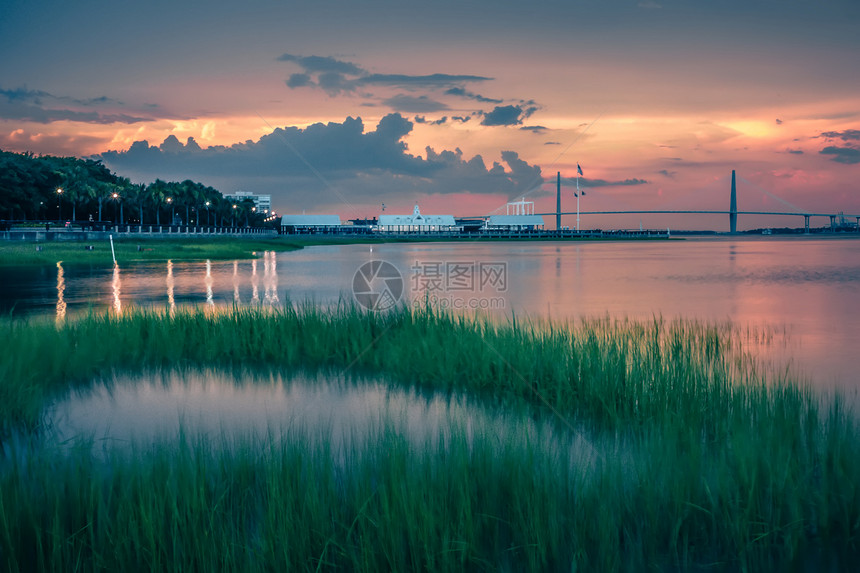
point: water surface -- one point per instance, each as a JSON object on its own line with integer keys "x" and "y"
{"x": 807, "y": 288}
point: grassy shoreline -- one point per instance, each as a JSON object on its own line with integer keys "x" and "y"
{"x": 701, "y": 462}
{"x": 18, "y": 253}
{"x": 21, "y": 253}
{"x": 130, "y": 249}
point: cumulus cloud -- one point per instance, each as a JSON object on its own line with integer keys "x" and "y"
{"x": 325, "y": 163}
{"x": 39, "y": 106}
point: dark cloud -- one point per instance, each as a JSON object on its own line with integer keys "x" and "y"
{"x": 847, "y": 155}
{"x": 421, "y": 119}
{"x": 334, "y": 83}
{"x": 504, "y": 115}
{"x": 667, "y": 173}
{"x": 847, "y": 135}
{"x": 38, "y": 97}
{"x": 337, "y": 76}
{"x": 552, "y": 143}
{"x": 325, "y": 163}
{"x": 584, "y": 182}
{"x": 522, "y": 174}
{"x": 299, "y": 81}
{"x": 794, "y": 151}
{"x": 39, "y": 106}
{"x": 317, "y": 64}
{"x": 413, "y": 104}
{"x": 778, "y": 121}
{"x": 427, "y": 81}
{"x": 534, "y": 128}
{"x": 462, "y": 92}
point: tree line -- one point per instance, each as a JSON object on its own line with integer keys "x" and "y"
{"x": 48, "y": 188}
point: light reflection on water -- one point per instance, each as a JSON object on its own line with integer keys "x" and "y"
{"x": 61, "y": 289}
{"x": 116, "y": 287}
{"x": 171, "y": 300}
{"x": 806, "y": 288}
{"x": 158, "y": 407}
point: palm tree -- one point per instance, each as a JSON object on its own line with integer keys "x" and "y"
{"x": 137, "y": 195}
{"x": 157, "y": 191}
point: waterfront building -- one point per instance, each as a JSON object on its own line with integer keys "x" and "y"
{"x": 310, "y": 223}
{"x": 519, "y": 216}
{"x": 416, "y": 222}
{"x": 263, "y": 203}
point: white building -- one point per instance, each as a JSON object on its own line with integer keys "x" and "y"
{"x": 303, "y": 223}
{"x": 263, "y": 203}
{"x": 417, "y": 222}
{"x": 520, "y": 216}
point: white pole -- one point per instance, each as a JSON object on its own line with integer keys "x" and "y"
{"x": 112, "y": 252}
{"x": 577, "y": 202}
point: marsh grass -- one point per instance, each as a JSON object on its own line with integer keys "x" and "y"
{"x": 702, "y": 460}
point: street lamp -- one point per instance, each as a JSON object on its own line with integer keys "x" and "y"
{"x": 59, "y": 204}
{"x": 172, "y": 216}
{"x": 234, "y": 214}
{"x": 114, "y": 196}
{"x": 207, "y": 212}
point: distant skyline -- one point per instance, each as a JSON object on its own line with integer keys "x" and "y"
{"x": 337, "y": 107}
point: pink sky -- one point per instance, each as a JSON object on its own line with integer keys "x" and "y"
{"x": 669, "y": 95}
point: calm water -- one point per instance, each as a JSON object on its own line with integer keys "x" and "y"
{"x": 153, "y": 407}
{"x": 807, "y": 288}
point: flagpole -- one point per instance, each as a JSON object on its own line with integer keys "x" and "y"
{"x": 577, "y": 202}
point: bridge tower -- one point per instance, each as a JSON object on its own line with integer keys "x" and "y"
{"x": 558, "y": 202}
{"x": 733, "y": 209}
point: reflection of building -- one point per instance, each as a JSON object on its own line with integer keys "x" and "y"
{"x": 520, "y": 216}
{"x": 417, "y": 222}
{"x": 262, "y": 202}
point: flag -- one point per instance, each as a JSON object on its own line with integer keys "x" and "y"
{"x": 583, "y": 193}
{"x": 578, "y": 169}
{"x": 574, "y": 194}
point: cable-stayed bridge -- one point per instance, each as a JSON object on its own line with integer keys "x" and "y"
{"x": 732, "y": 211}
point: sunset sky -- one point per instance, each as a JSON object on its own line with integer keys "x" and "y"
{"x": 337, "y": 107}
